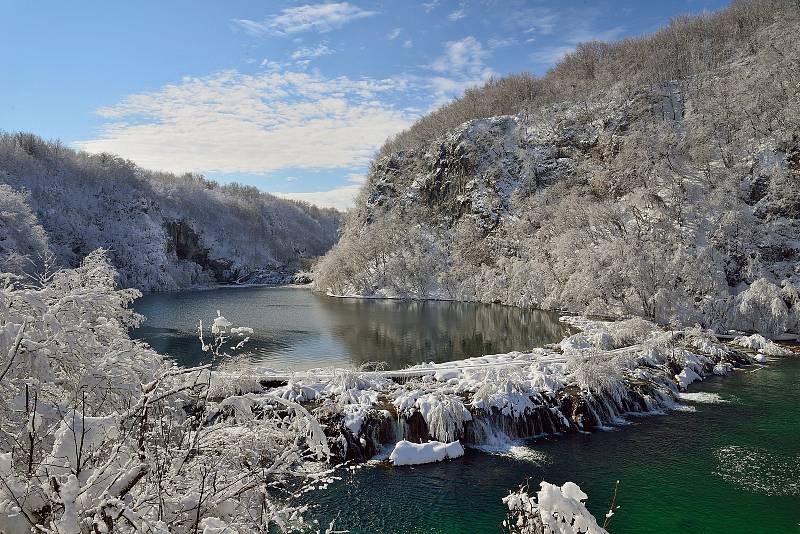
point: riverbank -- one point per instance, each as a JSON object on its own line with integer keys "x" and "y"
{"x": 729, "y": 335}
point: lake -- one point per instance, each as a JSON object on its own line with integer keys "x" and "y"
{"x": 295, "y": 328}
{"x": 724, "y": 467}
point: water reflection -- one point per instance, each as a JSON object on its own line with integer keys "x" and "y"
{"x": 298, "y": 329}
{"x": 402, "y": 333}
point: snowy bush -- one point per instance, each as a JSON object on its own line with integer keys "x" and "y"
{"x": 595, "y": 371}
{"x": 761, "y": 308}
{"x": 99, "y": 434}
{"x": 761, "y": 345}
{"x": 552, "y": 510}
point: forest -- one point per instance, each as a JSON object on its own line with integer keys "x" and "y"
{"x": 162, "y": 232}
{"x": 658, "y": 176}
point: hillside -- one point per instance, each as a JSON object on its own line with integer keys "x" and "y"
{"x": 658, "y": 176}
{"x": 164, "y": 232}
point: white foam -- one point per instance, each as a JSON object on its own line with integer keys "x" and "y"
{"x": 702, "y": 397}
{"x": 759, "y": 470}
{"x": 515, "y": 450}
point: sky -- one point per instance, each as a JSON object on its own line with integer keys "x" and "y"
{"x": 291, "y": 97}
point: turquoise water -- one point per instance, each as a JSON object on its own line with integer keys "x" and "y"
{"x": 728, "y": 467}
{"x": 725, "y": 468}
{"x": 295, "y": 328}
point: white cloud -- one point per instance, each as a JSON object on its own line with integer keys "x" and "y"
{"x": 394, "y": 34}
{"x": 538, "y": 21}
{"x": 500, "y": 42}
{"x": 231, "y": 122}
{"x": 463, "y": 56}
{"x": 583, "y": 34}
{"x": 549, "y": 55}
{"x": 310, "y": 17}
{"x": 408, "y": 44}
{"x": 456, "y": 15}
{"x": 341, "y": 198}
{"x": 356, "y": 178}
{"x": 460, "y": 66}
{"x": 311, "y": 53}
{"x": 430, "y": 6}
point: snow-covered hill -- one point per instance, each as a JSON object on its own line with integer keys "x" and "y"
{"x": 673, "y": 194}
{"x": 164, "y": 232}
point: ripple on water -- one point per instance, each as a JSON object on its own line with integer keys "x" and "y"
{"x": 702, "y": 397}
{"x": 759, "y": 470}
{"x": 516, "y": 451}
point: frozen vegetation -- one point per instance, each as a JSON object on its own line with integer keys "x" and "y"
{"x": 163, "y": 232}
{"x": 657, "y": 176}
{"x": 591, "y": 380}
{"x": 551, "y": 510}
{"x": 98, "y": 433}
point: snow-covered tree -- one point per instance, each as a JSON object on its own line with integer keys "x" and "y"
{"x": 99, "y": 434}
{"x": 551, "y": 510}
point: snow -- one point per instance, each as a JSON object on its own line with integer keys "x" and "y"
{"x": 220, "y": 324}
{"x": 560, "y": 509}
{"x": 686, "y": 377}
{"x": 702, "y": 397}
{"x": 407, "y": 453}
{"x": 759, "y": 343}
{"x": 242, "y": 331}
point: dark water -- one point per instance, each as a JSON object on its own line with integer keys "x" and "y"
{"x": 725, "y": 468}
{"x": 298, "y": 329}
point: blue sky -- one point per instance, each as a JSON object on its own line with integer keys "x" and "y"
{"x": 291, "y": 97}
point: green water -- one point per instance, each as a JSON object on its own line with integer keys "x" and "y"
{"x": 725, "y": 468}
{"x": 295, "y": 328}
{"x": 728, "y": 467}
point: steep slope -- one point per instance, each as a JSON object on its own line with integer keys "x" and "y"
{"x": 677, "y": 199}
{"x": 164, "y": 232}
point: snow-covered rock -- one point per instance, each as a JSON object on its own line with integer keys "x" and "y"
{"x": 407, "y": 453}
{"x": 759, "y": 343}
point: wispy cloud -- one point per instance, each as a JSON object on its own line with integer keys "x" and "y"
{"x": 456, "y": 15}
{"x": 533, "y": 21}
{"x": 501, "y": 42}
{"x": 430, "y": 6}
{"x": 236, "y": 123}
{"x": 310, "y": 17}
{"x": 341, "y": 198}
{"x": 462, "y": 65}
{"x": 311, "y": 52}
{"x": 463, "y": 56}
{"x": 551, "y": 54}
{"x": 394, "y": 34}
{"x": 408, "y": 44}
